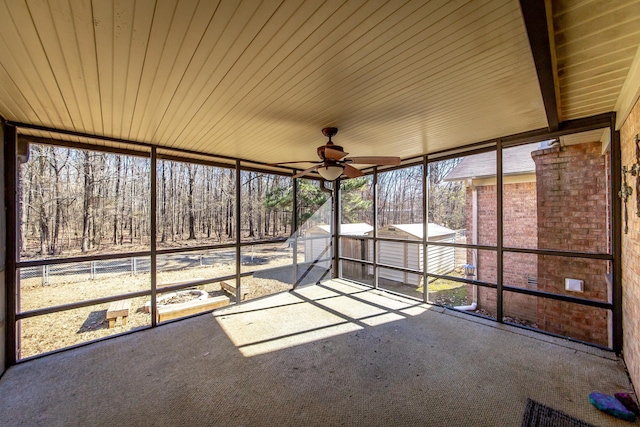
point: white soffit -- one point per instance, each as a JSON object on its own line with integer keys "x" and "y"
{"x": 583, "y": 137}
{"x": 258, "y": 80}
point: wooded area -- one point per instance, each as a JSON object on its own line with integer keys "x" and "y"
{"x": 79, "y": 202}
{"x": 400, "y": 197}
{"x": 75, "y": 200}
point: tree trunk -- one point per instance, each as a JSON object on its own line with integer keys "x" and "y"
{"x": 43, "y": 217}
{"x": 57, "y": 250}
{"x": 259, "y": 198}
{"x": 26, "y": 197}
{"x": 173, "y": 203}
{"x": 249, "y": 202}
{"x": 117, "y": 198}
{"x": 123, "y": 209}
{"x": 192, "y": 170}
{"x": 88, "y": 195}
{"x": 163, "y": 210}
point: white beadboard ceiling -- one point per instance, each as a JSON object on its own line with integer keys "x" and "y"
{"x": 259, "y": 80}
{"x": 596, "y": 43}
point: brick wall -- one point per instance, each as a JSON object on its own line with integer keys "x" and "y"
{"x": 566, "y": 209}
{"x": 572, "y": 211}
{"x": 631, "y": 256}
{"x": 520, "y": 230}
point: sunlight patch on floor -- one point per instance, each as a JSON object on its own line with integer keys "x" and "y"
{"x": 310, "y": 314}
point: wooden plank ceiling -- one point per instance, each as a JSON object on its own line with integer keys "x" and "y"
{"x": 259, "y": 80}
{"x": 596, "y": 44}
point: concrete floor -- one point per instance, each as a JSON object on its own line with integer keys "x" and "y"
{"x": 331, "y": 354}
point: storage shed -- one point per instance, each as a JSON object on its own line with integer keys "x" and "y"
{"x": 318, "y": 248}
{"x": 440, "y": 259}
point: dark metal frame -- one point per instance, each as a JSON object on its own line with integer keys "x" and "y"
{"x": 10, "y": 201}
{"x": 151, "y": 151}
{"x": 600, "y": 121}
{"x": 238, "y": 224}
{"x": 147, "y": 151}
{"x": 616, "y": 237}
{"x": 85, "y": 146}
{"x": 500, "y": 236}
{"x": 376, "y": 276}
{"x": 294, "y": 232}
{"x": 425, "y": 228}
{"x": 335, "y": 231}
{"x": 154, "y": 232}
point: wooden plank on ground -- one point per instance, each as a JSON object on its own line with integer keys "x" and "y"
{"x": 174, "y": 311}
{"x": 230, "y": 287}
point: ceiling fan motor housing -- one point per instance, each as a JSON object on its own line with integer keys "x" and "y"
{"x": 329, "y": 132}
{"x": 330, "y": 145}
{"x": 334, "y": 159}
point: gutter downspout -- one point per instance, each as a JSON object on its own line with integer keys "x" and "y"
{"x": 474, "y": 240}
{"x": 325, "y": 189}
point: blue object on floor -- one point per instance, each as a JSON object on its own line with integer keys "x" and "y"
{"x": 628, "y": 402}
{"x": 610, "y": 405}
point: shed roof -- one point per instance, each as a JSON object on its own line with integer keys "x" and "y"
{"x": 356, "y": 229}
{"x": 434, "y": 230}
{"x": 515, "y": 160}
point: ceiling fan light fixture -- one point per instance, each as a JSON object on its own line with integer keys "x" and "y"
{"x": 330, "y": 172}
{"x": 334, "y": 161}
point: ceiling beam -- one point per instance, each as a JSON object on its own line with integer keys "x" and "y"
{"x": 539, "y": 26}
{"x": 30, "y": 139}
{"x": 584, "y": 124}
{"x": 89, "y": 146}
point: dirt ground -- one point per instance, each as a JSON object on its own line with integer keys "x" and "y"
{"x": 49, "y": 332}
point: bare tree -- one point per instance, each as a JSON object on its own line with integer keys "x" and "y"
{"x": 88, "y": 196}
{"x": 193, "y": 171}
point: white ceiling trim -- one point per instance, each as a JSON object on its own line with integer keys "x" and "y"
{"x": 629, "y": 93}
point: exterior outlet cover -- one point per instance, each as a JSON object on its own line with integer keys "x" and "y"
{"x": 574, "y": 285}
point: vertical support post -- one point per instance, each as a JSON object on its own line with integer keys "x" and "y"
{"x": 616, "y": 237}
{"x": 12, "y": 337}
{"x": 500, "y": 275}
{"x": 154, "y": 231}
{"x": 336, "y": 229}
{"x": 425, "y": 229}
{"x": 375, "y": 228}
{"x": 238, "y": 224}
{"x": 294, "y": 231}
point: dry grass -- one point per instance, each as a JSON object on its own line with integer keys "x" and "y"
{"x": 62, "y": 329}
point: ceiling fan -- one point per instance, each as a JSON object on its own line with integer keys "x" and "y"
{"x": 334, "y": 161}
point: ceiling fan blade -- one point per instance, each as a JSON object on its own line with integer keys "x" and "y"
{"x": 352, "y": 172}
{"x": 331, "y": 154}
{"x": 291, "y": 163}
{"x": 374, "y": 160}
{"x": 306, "y": 171}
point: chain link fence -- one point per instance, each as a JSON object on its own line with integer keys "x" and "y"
{"x": 91, "y": 270}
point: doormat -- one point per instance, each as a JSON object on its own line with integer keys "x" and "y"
{"x": 539, "y": 415}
